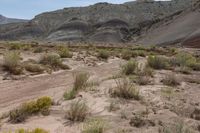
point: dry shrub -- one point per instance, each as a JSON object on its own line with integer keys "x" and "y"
{"x": 64, "y": 52}
{"x": 94, "y": 126}
{"x": 81, "y": 80}
{"x": 126, "y": 54}
{"x": 38, "y": 50}
{"x": 34, "y": 68}
{"x": 12, "y": 63}
{"x": 129, "y": 68}
{"x": 103, "y": 54}
{"x": 54, "y": 61}
{"x": 158, "y": 62}
{"x": 143, "y": 80}
{"x": 171, "y": 80}
{"x": 125, "y": 90}
{"x": 78, "y": 111}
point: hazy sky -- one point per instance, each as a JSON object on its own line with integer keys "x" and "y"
{"x": 27, "y": 9}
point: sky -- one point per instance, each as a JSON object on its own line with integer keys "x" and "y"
{"x": 27, "y": 9}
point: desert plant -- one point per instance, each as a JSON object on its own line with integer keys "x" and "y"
{"x": 34, "y": 68}
{"x": 15, "y": 46}
{"x": 21, "y": 113}
{"x": 94, "y": 126}
{"x": 171, "y": 80}
{"x": 129, "y": 68}
{"x": 12, "y": 63}
{"x": 64, "y": 52}
{"x": 158, "y": 62}
{"x": 143, "y": 80}
{"x": 37, "y": 130}
{"x": 103, "y": 54}
{"x": 38, "y": 50}
{"x": 78, "y": 111}
{"x": 125, "y": 89}
{"x": 81, "y": 80}
{"x": 68, "y": 95}
{"x": 126, "y": 54}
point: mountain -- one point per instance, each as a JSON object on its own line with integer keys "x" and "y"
{"x": 146, "y": 22}
{"x": 5, "y": 20}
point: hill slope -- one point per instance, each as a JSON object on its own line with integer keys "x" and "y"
{"x": 5, "y": 20}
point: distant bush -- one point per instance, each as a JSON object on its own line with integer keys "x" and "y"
{"x": 15, "y": 46}
{"x": 125, "y": 90}
{"x": 158, "y": 62}
{"x": 54, "y": 61}
{"x": 25, "y": 110}
{"x": 141, "y": 53}
{"x": 78, "y": 111}
{"x": 126, "y": 54}
{"x": 64, "y": 52}
{"x": 103, "y": 54}
{"x": 12, "y": 63}
{"x": 129, "y": 68}
{"x": 34, "y": 68}
{"x": 38, "y": 50}
{"x": 94, "y": 126}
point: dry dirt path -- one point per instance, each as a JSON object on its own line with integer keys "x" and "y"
{"x": 12, "y": 93}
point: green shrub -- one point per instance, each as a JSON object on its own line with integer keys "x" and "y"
{"x": 126, "y": 54}
{"x": 139, "y": 53}
{"x": 184, "y": 59}
{"x": 29, "y": 108}
{"x": 64, "y": 52}
{"x": 171, "y": 80}
{"x": 78, "y": 111}
{"x": 12, "y": 63}
{"x": 129, "y": 68}
{"x": 94, "y": 126}
{"x": 125, "y": 90}
{"x": 146, "y": 71}
{"x": 158, "y": 62}
{"x": 103, "y": 54}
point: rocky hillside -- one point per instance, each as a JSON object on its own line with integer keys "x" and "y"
{"x": 5, "y": 20}
{"x": 100, "y": 22}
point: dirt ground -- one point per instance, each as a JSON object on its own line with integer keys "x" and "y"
{"x": 157, "y": 108}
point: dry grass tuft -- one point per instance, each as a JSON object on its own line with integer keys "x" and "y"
{"x": 94, "y": 126}
{"x": 78, "y": 111}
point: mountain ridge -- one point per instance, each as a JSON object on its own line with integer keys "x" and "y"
{"x": 5, "y": 20}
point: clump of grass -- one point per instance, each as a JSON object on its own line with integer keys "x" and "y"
{"x": 12, "y": 63}
{"x": 94, "y": 126}
{"x": 125, "y": 90}
{"x": 81, "y": 81}
{"x": 103, "y": 54}
{"x": 27, "y": 109}
{"x": 129, "y": 68}
{"x": 78, "y": 111}
{"x": 68, "y": 95}
{"x": 143, "y": 80}
{"x": 171, "y": 80}
{"x": 141, "y": 53}
{"x": 158, "y": 62}
{"x": 126, "y": 54}
{"x": 64, "y": 52}
{"x": 54, "y": 61}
